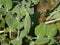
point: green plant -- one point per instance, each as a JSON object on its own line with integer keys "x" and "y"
{"x": 17, "y": 20}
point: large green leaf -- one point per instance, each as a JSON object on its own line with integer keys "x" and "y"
{"x": 23, "y": 33}
{"x": 10, "y": 20}
{"x": 42, "y": 40}
{"x": 51, "y": 30}
{"x": 40, "y": 30}
{"x": 13, "y": 22}
{"x": 19, "y": 10}
{"x": 7, "y": 4}
{"x": 27, "y": 23}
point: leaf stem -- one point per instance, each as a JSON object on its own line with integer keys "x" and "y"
{"x": 10, "y": 34}
{"x": 18, "y": 33}
{"x": 52, "y": 21}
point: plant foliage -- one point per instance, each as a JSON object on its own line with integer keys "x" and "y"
{"x": 16, "y": 24}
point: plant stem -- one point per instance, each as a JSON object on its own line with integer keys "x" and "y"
{"x": 18, "y": 34}
{"x": 52, "y": 21}
{"x": 1, "y": 32}
{"x": 10, "y": 34}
